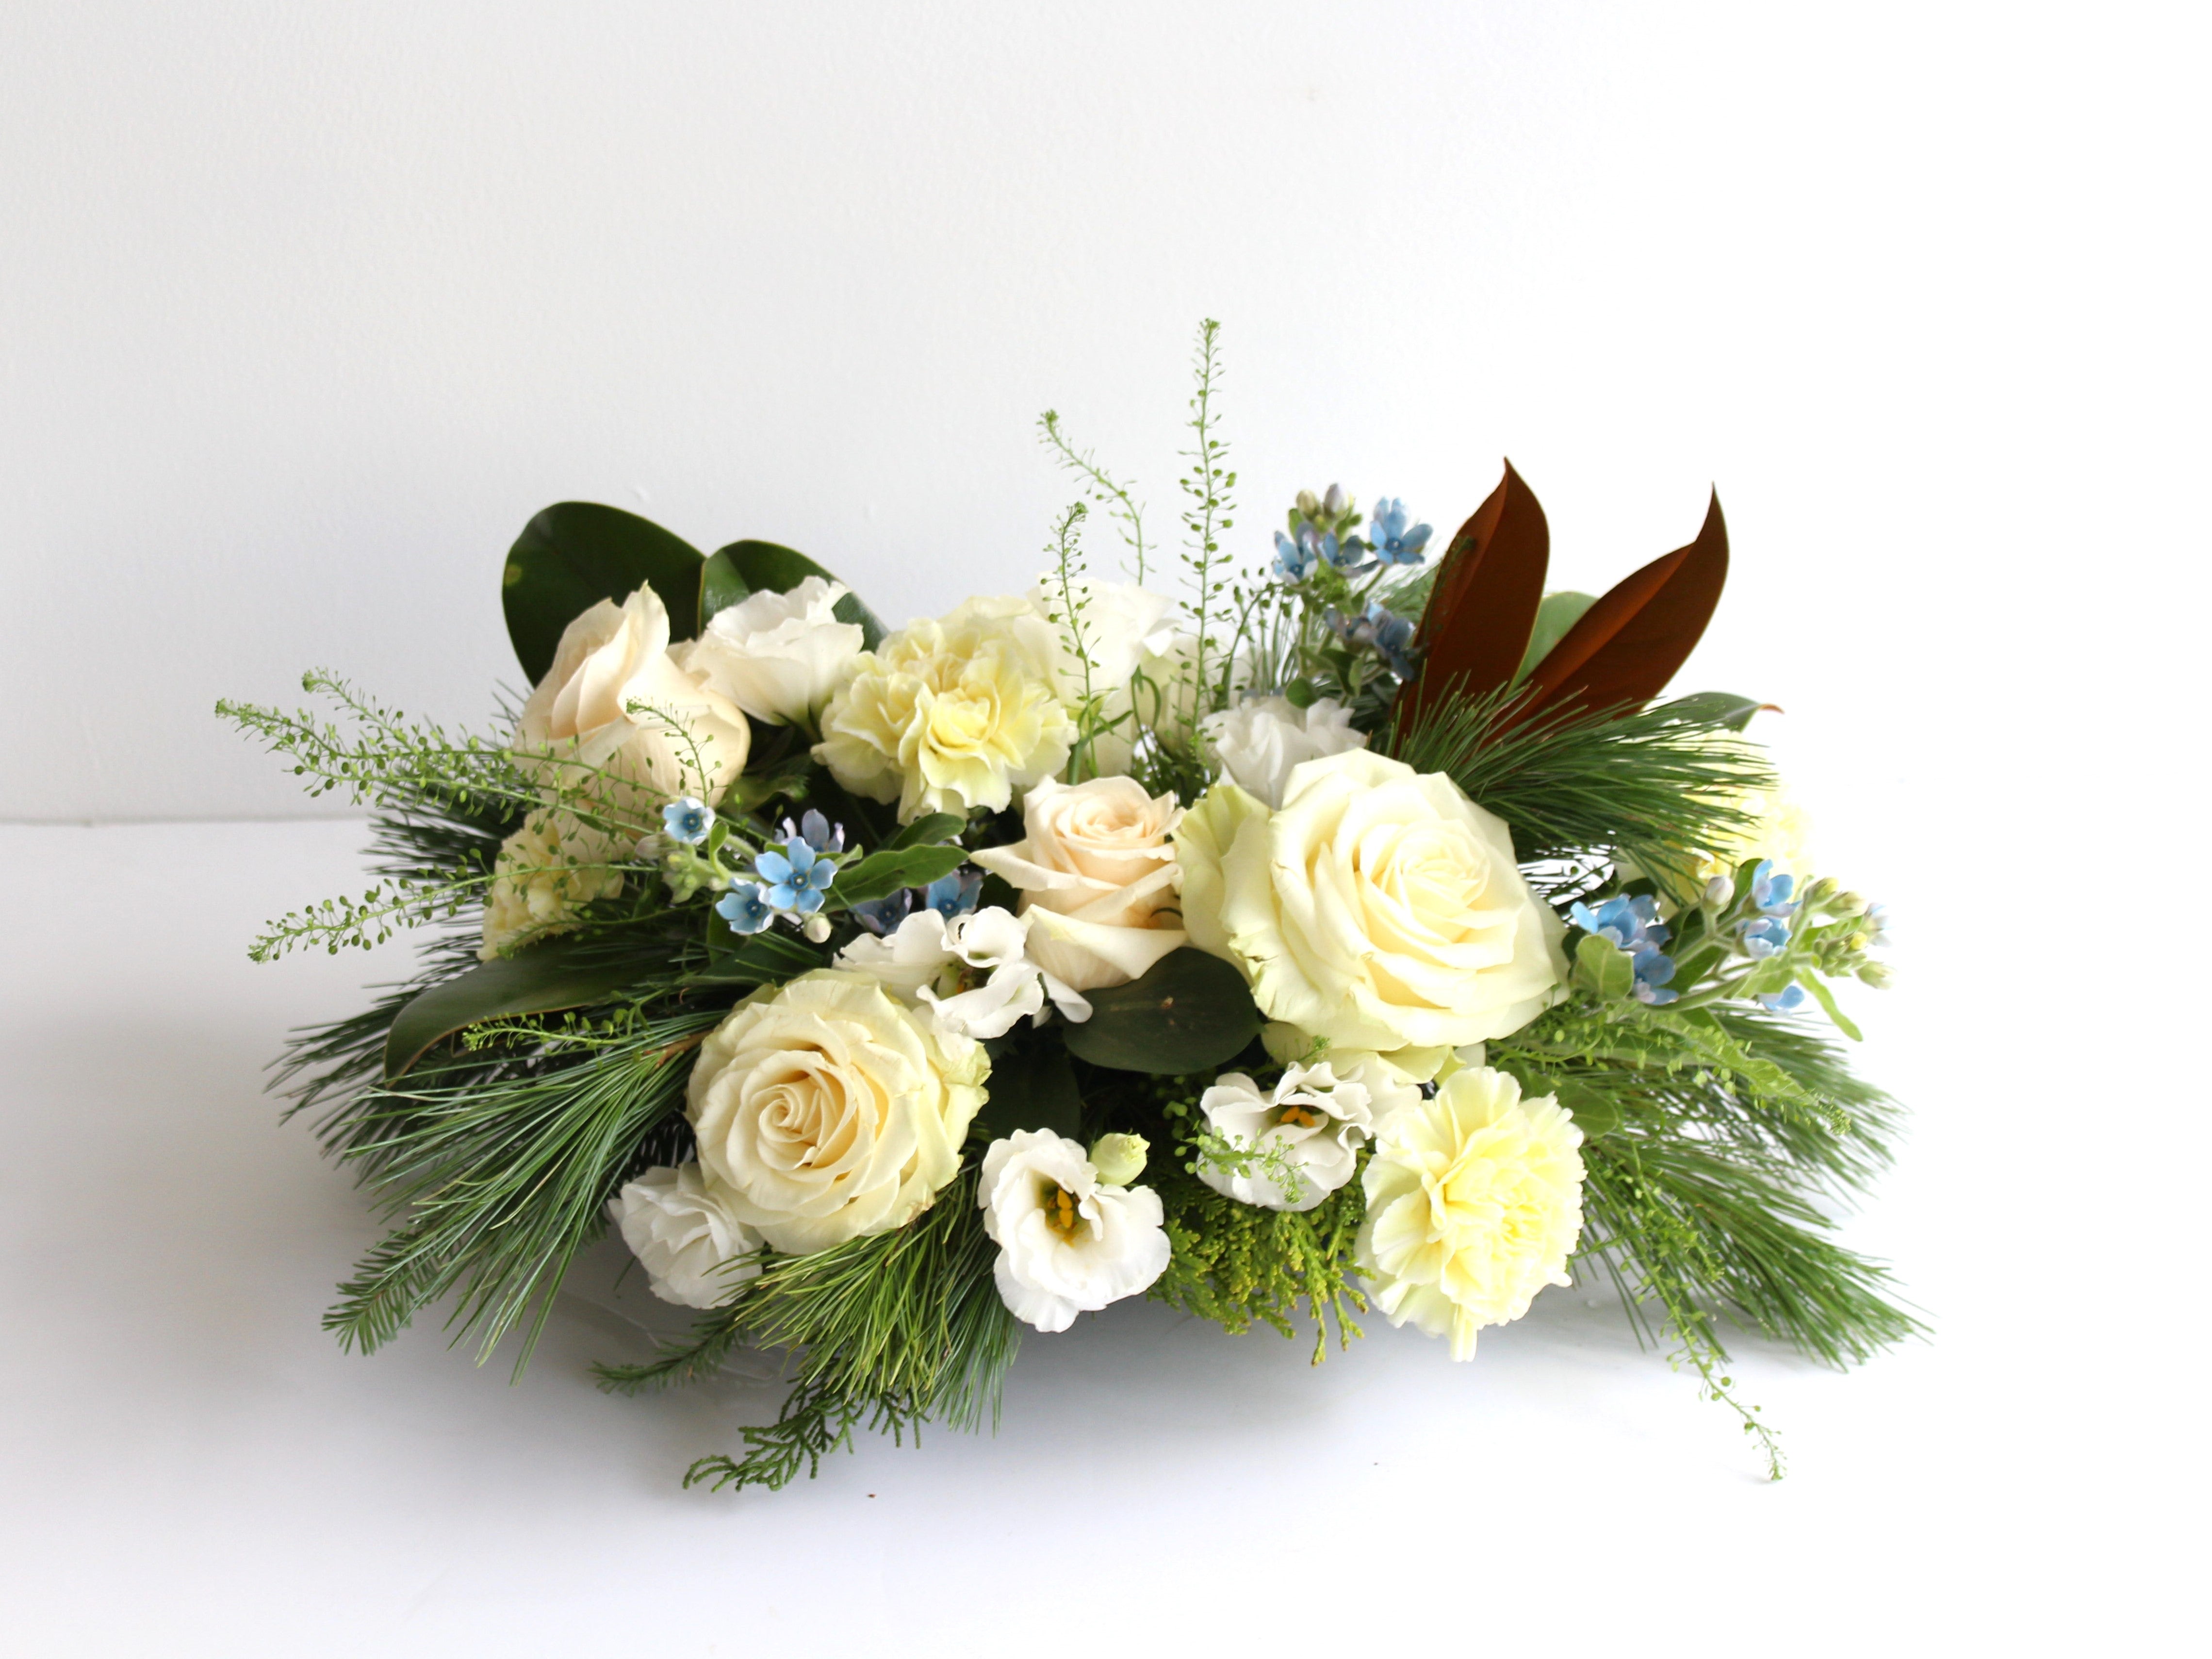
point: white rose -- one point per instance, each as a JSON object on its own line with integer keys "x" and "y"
{"x": 1124, "y": 628}
{"x": 1067, "y": 1242}
{"x": 778, "y": 656}
{"x": 679, "y": 1228}
{"x": 1096, "y": 872}
{"x": 1474, "y": 1206}
{"x": 952, "y": 716}
{"x": 545, "y": 873}
{"x": 1380, "y": 908}
{"x": 971, "y": 976}
{"x": 825, "y": 1110}
{"x": 1262, "y": 740}
{"x": 693, "y": 742}
{"x": 1300, "y": 1140}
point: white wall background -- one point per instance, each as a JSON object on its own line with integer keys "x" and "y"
{"x": 304, "y": 310}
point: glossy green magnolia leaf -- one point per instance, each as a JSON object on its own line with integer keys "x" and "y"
{"x": 574, "y": 554}
{"x": 1604, "y": 967}
{"x": 1559, "y": 612}
{"x": 750, "y": 566}
{"x": 1031, "y": 1086}
{"x": 884, "y": 872}
{"x": 1715, "y": 709}
{"x": 1191, "y": 1011}
{"x": 539, "y": 978}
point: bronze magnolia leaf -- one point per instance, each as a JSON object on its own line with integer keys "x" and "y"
{"x": 1483, "y": 607}
{"x": 1625, "y": 647}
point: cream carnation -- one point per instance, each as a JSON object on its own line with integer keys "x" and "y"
{"x": 546, "y": 871}
{"x": 1068, "y": 1243}
{"x": 1379, "y": 908}
{"x": 1262, "y": 740}
{"x": 952, "y": 716}
{"x": 1096, "y": 872}
{"x": 617, "y": 720}
{"x": 1296, "y": 1143}
{"x": 778, "y": 656}
{"x": 825, "y": 1110}
{"x": 1473, "y": 1205}
{"x": 679, "y": 1226}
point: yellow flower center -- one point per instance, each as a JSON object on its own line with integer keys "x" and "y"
{"x": 1060, "y": 1211}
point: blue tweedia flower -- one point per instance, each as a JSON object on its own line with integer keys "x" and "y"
{"x": 1393, "y": 541}
{"x": 1764, "y": 935}
{"x": 745, "y": 908}
{"x": 1876, "y": 925}
{"x": 1654, "y": 968}
{"x": 883, "y": 915}
{"x": 816, "y": 832}
{"x": 687, "y": 820}
{"x": 1788, "y": 998}
{"x": 795, "y": 878}
{"x": 1633, "y": 924}
{"x": 954, "y": 895}
{"x": 1295, "y": 560}
{"x": 1393, "y": 638}
{"x": 1770, "y": 892}
{"x": 1347, "y": 555}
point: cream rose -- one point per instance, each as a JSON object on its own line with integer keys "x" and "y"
{"x": 545, "y": 873}
{"x": 1262, "y": 740}
{"x": 1096, "y": 873}
{"x": 1380, "y": 908}
{"x": 1474, "y": 1206}
{"x": 825, "y": 1110}
{"x": 578, "y": 730}
{"x": 679, "y": 1227}
{"x": 1068, "y": 1243}
{"x": 952, "y": 716}
{"x": 778, "y": 656}
{"x": 1124, "y": 628}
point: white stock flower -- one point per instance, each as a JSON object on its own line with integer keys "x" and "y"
{"x": 1068, "y": 1243}
{"x": 1096, "y": 872}
{"x": 545, "y": 873}
{"x": 682, "y": 739}
{"x": 951, "y": 716}
{"x": 1262, "y": 740}
{"x": 778, "y": 656}
{"x": 679, "y": 1228}
{"x": 1300, "y": 1140}
{"x": 927, "y": 961}
{"x": 1474, "y": 1206}
{"x": 1379, "y": 908}
{"x": 826, "y": 1110}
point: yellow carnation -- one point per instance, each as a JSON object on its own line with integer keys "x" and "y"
{"x": 952, "y": 716}
{"x": 1475, "y": 1201}
{"x": 546, "y": 871}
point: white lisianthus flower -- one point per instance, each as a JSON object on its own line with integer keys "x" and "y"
{"x": 935, "y": 966}
{"x": 1379, "y": 908}
{"x": 1096, "y": 872}
{"x": 545, "y": 873}
{"x": 617, "y": 700}
{"x": 952, "y": 716}
{"x": 677, "y": 1225}
{"x": 1474, "y": 1206}
{"x": 825, "y": 1110}
{"x": 1068, "y": 1243}
{"x": 1296, "y": 1143}
{"x": 1260, "y": 740}
{"x": 778, "y": 656}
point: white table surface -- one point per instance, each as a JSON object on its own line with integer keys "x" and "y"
{"x": 192, "y": 1467}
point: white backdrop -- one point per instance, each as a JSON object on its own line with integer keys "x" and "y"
{"x": 304, "y": 310}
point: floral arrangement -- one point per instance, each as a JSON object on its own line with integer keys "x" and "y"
{"x": 1358, "y": 933}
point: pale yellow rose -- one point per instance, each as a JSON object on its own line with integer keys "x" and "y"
{"x": 618, "y": 723}
{"x": 825, "y": 1110}
{"x": 1379, "y": 908}
{"x": 546, "y": 871}
{"x": 1096, "y": 873}
{"x": 952, "y": 716}
{"x": 1473, "y": 1205}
